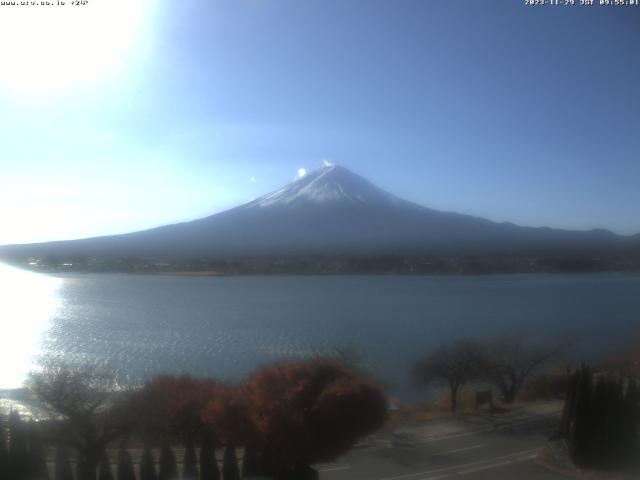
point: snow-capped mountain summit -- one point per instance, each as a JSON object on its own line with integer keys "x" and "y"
{"x": 329, "y": 211}
{"x": 328, "y": 184}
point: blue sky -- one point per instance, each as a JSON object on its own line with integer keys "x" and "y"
{"x": 140, "y": 113}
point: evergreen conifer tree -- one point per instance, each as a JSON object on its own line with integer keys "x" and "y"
{"x": 168, "y": 465}
{"x": 63, "y": 465}
{"x": 37, "y": 457}
{"x": 601, "y": 424}
{"x": 104, "y": 467}
{"x": 4, "y": 452}
{"x": 208, "y": 463}
{"x": 147, "y": 465}
{"x": 190, "y": 462}
{"x": 614, "y": 445}
{"x": 125, "y": 464}
{"x": 632, "y": 409}
{"x": 230, "y": 464}
{"x": 568, "y": 412}
{"x": 18, "y": 449}
{"x": 582, "y": 424}
{"x": 250, "y": 462}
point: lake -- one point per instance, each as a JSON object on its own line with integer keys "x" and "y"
{"x": 227, "y": 326}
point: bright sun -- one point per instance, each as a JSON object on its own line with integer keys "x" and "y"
{"x": 45, "y": 49}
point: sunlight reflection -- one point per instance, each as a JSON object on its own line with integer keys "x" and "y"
{"x": 27, "y": 302}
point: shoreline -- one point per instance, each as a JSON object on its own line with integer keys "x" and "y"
{"x": 319, "y": 273}
{"x": 363, "y": 263}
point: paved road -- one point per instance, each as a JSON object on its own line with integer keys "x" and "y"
{"x": 475, "y": 447}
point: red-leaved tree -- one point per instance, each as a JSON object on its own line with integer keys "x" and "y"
{"x": 171, "y": 405}
{"x": 226, "y": 413}
{"x": 309, "y": 412}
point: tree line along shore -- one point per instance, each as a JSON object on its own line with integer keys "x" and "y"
{"x": 407, "y": 264}
{"x": 289, "y": 416}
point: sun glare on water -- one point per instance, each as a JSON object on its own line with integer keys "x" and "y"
{"x": 47, "y": 48}
{"x": 27, "y": 302}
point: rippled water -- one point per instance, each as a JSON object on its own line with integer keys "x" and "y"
{"x": 227, "y": 326}
{"x": 27, "y": 305}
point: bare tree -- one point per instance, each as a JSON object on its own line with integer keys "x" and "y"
{"x": 453, "y": 365}
{"x": 85, "y": 399}
{"x": 511, "y": 359}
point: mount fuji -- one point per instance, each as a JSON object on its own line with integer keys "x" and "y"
{"x": 330, "y": 211}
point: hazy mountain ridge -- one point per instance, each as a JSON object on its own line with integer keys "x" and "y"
{"x": 335, "y": 212}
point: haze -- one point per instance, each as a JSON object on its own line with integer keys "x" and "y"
{"x": 119, "y": 116}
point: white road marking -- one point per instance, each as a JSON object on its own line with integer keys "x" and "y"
{"x": 333, "y": 469}
{"x": 437, "y": 438}
{"x": 484, "y": 467}
{"x": 499, "y": 459}
{"x": 473, "y": 447}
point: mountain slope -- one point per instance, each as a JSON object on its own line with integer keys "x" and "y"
{"x": 330, "y": 211}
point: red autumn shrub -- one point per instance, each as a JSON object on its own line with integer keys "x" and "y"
{"x": 226, "y": 413}
{"x": 172, "y": 404}
{"x": 311, "y": 412}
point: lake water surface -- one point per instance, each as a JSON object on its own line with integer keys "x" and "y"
{"x": 226, "y": 326}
